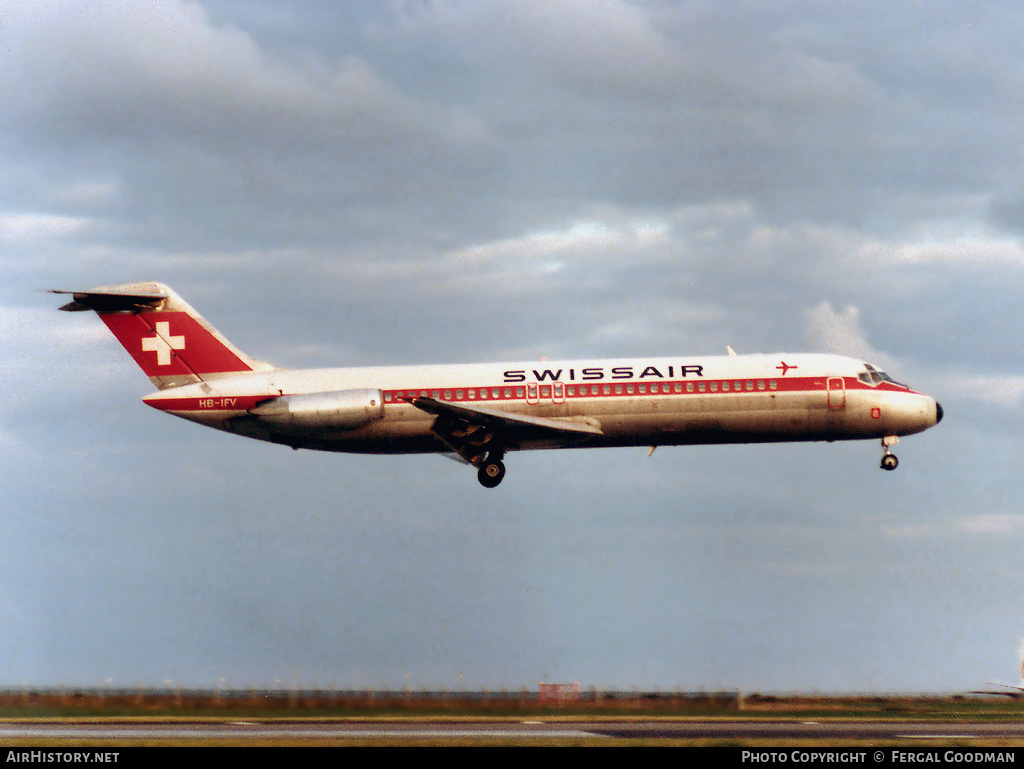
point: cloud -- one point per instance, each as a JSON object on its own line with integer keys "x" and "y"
{"x": 425, "y": 114}
{"x": 182, "y": 114}
{"x": 810, "y": 569}
{"x": 165, "y": 70}
{"x": 980, "y": 524}
{"x": 838, "y": 332}
{"x": 576, "y": 241}
{"x": 963, "y": 251}
{"x": 43, "y": 347}
{"x": 573, "y": 41}
{"x": 26, "y": 331}
{"x": 1000, "y": 389}
{"x": 25, "y": 228}
{"x": 994, "y": 523}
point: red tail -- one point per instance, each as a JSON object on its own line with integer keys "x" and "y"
{"x": 169, "y": 340}
{"x": 172, "y": 344}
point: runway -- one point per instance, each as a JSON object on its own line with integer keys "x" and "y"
{"x": 549, "y": 730}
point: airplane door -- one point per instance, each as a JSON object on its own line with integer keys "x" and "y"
{"x": 836, "y": 393}
{"x": 546, "y": 393}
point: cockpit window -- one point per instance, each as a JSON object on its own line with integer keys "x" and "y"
{"x": 873, "y": 376}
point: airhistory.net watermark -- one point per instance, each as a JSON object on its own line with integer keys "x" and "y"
{"x": 62, "y": 757}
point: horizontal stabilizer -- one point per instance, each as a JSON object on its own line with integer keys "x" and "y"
{"x": 112, "y": 300}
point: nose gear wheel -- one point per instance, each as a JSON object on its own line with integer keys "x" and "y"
{"x": 889, "y": 460}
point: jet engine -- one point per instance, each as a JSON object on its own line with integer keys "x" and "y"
{"x": 341, "y": 410}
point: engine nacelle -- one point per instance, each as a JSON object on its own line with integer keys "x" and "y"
{"x": 341, "y": 410}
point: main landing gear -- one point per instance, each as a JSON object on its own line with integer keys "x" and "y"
{"x": 480, "y": 445}
{"x": 889, "y": 460}
{"x": 491, "y": 471}
{"x": 484, "y": 452}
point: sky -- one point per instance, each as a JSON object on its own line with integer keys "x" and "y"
{"x": 368, "y": 183}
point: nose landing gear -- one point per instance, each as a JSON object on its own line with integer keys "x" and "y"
{"x": 889, "y": 460}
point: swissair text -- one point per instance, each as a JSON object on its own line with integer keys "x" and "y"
{"x": 599, "y": 372}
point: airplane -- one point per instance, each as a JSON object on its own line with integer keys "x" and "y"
{"x": 479, "y": 412}
{"x": 1014, "y": 691}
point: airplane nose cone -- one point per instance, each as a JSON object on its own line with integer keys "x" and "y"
{"x": 938, "y": 412}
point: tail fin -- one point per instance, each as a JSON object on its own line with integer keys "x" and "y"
{"x": 172, "y": 343}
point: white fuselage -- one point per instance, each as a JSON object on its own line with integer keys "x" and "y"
{"x": 637, "y": 402}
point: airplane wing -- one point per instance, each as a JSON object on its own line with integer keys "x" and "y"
{"x": 471, "y": 429}
{"x": 517, "y": 423}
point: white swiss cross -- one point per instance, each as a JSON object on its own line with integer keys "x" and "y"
{"x": 163, "y": 343}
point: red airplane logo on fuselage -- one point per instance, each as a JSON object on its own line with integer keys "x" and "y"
{"x": 785, "y": 367}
